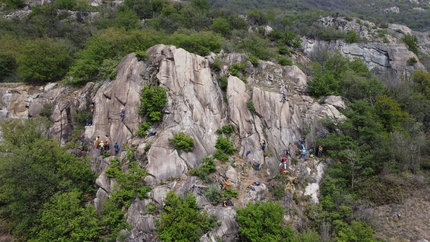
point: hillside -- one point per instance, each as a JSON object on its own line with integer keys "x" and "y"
{"x": 185, "y": 93}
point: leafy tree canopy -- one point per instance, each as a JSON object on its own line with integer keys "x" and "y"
{"x": 182, "y": 219}
{"x": 262, "y": 222}
{"x": 33, "y": 169}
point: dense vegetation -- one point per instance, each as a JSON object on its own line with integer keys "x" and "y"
{"x": 384, "y": 138}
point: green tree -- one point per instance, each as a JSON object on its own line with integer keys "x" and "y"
{"x": 65, "y": 219}
{"x": 356, "y": 232}
{"x": 221, "y": 25}
{"x": 181, "y": 141}
{"x": 127, "y": 19}
{"x": 421, "y": 80}
{"x": 153, "y": 100}
{"x": 182, "y": 219}
{"x": 262, "y": 222}
{"x": 43, "y": 60}
{"x": 66, "y": 4}
{"x": 352, "y": 37}
{"x": 33, "y": 169}
{"x": 13, "y": 4}
{"x": 7, "y": 66}
{"x": 390, "y": 112}
{"x": 411, "y": 42}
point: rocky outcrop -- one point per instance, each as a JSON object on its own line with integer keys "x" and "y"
{"x": 194, "y": 107}
{"x": 387, "y": 61}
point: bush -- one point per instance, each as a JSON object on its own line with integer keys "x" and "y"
{"x": 201, "y": 43}
{"x": 253, "y": 60}
{"x": 221, "y": 26}
{"x": 213, "y": 193}
{"x": 357, "y": 231}
{"x": 182, "y": 219}
{"x": 216, "y": 65}
{"x": 411, "y": 61}
{"x": 153, "y": 100}
{"x": 237, "y": 68}
{"x": 222, "y": 80}
{"x": 181, "y": 141}
{"x": 250, "y": 106}
{"x": 411, "y": 42}
{"x": 229, "y": 193}
{"x": 262, "y": 222}
{"x": 44, "y": 60}
{"x": 352, "y": 37}
{"x": 204, "y": 169}
{"x": 284, "y": 61}
{"x": 224, "y": 145}
{"x": 226, "y": 129}
{"x": 7, "y": 66}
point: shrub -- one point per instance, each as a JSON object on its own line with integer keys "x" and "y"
{"x": 204, "y": 169}
{"x": 108, "y": 68}
{"x": 222, "y": 80}
{"x": 153, "y": 100}
{"x": 220, "y": 156}
{"x": 411, "y": 42}
{"x": 225, "y": 146}
{"x": 216, "y": 65}
{"x": 357, "y": 231}
{"x": 221, "y": 26}
{"x": 250, "y": 106}
{"x": 142, "y": 55}
{"x": 80, "y": 117}
{"x": 229, "y": 193}
{"x": 226, "y": 129}
{"x": 181, "y": 141}
{"x": 7, "y": 66}
{"x": 411, "y": 61}
{"x": 47, "y": 110}
{"x": 262, "y": 222}
{"x": 182, "y": 219}
{"x": 201, "y": 43}
{"x": 43, "y": 60}
{"x": 352, "y": 37}
{"x": 213, "y": 193}
{"x": 253, "y": 60}
{"x": 237, "y": 68}
{"x": 284, "y": 61}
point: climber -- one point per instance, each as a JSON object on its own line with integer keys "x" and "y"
{"x": 97, "y": 142}
{"x": 303, "y": 154}
{"x": 101, "y": 148}
{"x": 320, "y": 150}
{"x": 248, "y": 152}
{"x": 263, "y": 145}
{"x": 256, "y": 165}
{"x": 302, "y": 142}
{"x": 122, "y": 113}
{"x": 229, "y": 203}
{"x": 106, "y": 144}
{"x": 152, "y": 133}
{"x": 311, "y": 153}
{"x": 89, "y": 122}
{"x": 283, "y": 162}
{"x": 284, "y": 97}
{"x": 116, "y": 148}
{"x": 287, "y": 152}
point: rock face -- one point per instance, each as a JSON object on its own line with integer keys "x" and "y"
{"x": 196, "y": 106}
{"x": 387, "y": 61}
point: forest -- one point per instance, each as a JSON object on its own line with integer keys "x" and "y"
{"x": 381, "y": 154}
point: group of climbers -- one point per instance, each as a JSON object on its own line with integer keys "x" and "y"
{"x": 104, "y": 146}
